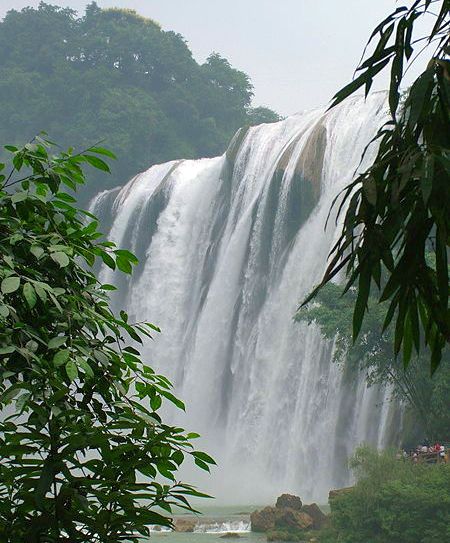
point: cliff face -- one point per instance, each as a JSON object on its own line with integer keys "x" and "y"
{"x": 228, "y": 247}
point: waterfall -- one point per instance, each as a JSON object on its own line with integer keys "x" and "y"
{"x": 228, "y": 247}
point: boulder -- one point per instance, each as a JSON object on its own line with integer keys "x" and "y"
{"x": 184, "y": 524}
{"x": 292, "y": 520}
{"x": 318, "y": 516}
{"x": 264, "y": 520}
{"x": 230, "y": 535}
{"x": 289, "y": 501}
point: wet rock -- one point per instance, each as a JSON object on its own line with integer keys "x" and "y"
{"x": 292, "y": 520}
{"x": 289, "y": 501}
{"x": 319, "y": 518}
{"x": 276, "y": 518}
{"x": 264, "y": 520}
{"x": 230, "y": 535}
{"x": 184, "y": 524}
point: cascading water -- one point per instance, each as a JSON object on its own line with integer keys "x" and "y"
{"x": 228, "y": 247}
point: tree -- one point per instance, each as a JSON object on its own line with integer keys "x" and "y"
{"x": 392, "y": 500}
{"x": 116, "y": 76}
{"x": 263, "y": 114}
{"x": 84, "y": 454}
{"x": 426, "y": 397}
{"x": 397, "y": 210}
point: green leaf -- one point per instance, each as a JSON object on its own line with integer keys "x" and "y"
{"x": 155, "y": 403}
{"x": 9, "y": 261}
{"x": 86, "y": 367}
{"x": 102, "y": 151}
{"x": 101, "y": 357}
{"x": 61, "y": 357}
{"x": 11, "y": 392}
{"x": 107, "y": 286}
{"x": 37, "y": 251}
{"x": 45, "y": 481}
{"x": 126, "y": 255}
{"x": 407, "y": 341}
{"x": 30, "y": 295}
{"x": 19, "y": 197}
{"x": 173, "y": 399}
{"x": 370, "y": 190}
{"x": 10, "y": 284}
{"x": 71, "y": 370}
{"x": 108, "y": 260}
{"x": 203, "y": 456}
{"x": 124, "y": 265}
{"x": 60, "y": 258}
{"x": 40, "y": 291}
{"x": 56, "y": 342}
{"x": 65, "y": 197}
{"x": 97, "y": 163}
{"x": 15, "y": 238}
{"x": 201, "y": 464}
{"x": 361, "y": 300}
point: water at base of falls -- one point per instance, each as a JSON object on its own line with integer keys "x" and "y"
{"x": 228, "y": 247}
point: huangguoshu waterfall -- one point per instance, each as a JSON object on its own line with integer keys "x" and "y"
{"x": 228, "y": 247}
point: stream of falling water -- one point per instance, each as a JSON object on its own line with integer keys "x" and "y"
{"x": 228, "y": 247}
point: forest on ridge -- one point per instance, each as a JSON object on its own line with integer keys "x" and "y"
{"x": 113, "y": 75}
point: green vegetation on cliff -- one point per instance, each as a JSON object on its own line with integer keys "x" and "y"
{"x": 427, "y": 397}
{"x": 392, "y": 501}
{"x": 114, "y": 75}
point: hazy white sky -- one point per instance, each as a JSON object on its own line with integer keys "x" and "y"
{"x": 297, "y": 52}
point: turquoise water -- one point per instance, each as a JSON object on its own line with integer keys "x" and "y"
{"x": 178, "y": 537}
{"x": 215, "y": 524}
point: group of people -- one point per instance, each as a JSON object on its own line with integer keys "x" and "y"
{"x": 426, "y": 452}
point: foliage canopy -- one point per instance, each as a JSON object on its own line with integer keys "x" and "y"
{"x": 114, "y": 75}
{"x": 84, "y": 454}
{"x": 397, "y": 210}
{"x": 393, "y": 500}
{"x": 426, "y": 397}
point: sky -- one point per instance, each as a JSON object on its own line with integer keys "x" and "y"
{"x": 298, "y": 53}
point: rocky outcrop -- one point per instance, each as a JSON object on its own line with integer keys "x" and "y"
{"x": 292, "y": 520}
{"x": 288, "y": 514}
{"x": 289, "y": 501}
{"x": 318, "y": 517}
{"x": 184, "y": 524}
{"x": 289, "y": 520}
{"x": 264, "y": 520}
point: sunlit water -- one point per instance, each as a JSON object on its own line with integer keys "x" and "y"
{"x": 228, "y": 247}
